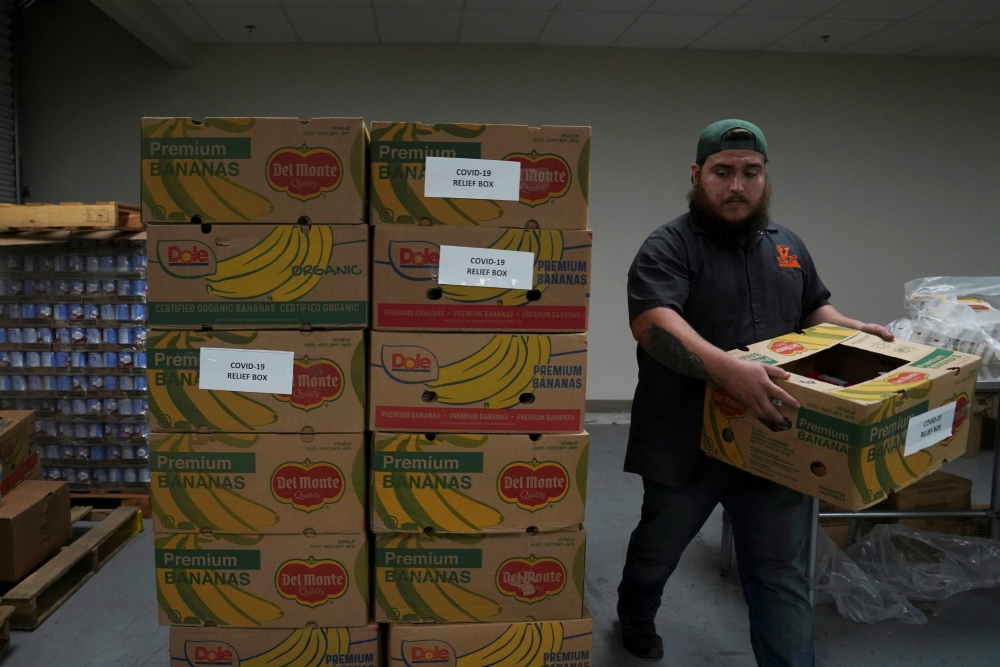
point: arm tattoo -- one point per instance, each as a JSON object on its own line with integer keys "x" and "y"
{"x": 670, "y": 351}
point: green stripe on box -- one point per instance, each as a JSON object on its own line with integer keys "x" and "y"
{"x": 208, "y": 559}
{"x": 418, "y": 152}
{"x": 427, "y": 462}
{"x": 433, "y": 558}
{"x": 202, "y": 148}
{"x": 933, "y": 360}
{"x": 207, "y": 462}
{"x": 175, "y": 313}
{"x": 855, "y": 435}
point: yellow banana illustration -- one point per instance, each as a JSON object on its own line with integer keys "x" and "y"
{"x": 305, "y": 647}
{"x": 521, "y": 645}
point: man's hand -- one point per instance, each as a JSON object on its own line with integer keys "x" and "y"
{"x": 751, "y": 384}
{"x": 878, "y": 330}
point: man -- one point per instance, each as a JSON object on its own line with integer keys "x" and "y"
{"x": 720, "y": 277}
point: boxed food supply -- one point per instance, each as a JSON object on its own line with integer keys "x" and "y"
{"x": 328, "y": 382}
{"x": 262, "y": 483}
{"x": 875, "y": 417}
{"x": 461, "y": 483}
{"x": 269, "y": 581}
{"x": 551, "y": 189}
{"x": 34, "y": 522}
{"x": 406, "y": 293}
{"x": 18, "y": 457}
{"x": 468, "y": 578}
{"x": 542, "y": 643}
{"x": 302, "y": 647}
{"x": 254, "y": 170}
{"x": 938, "y": 491}
{"x": 257, "y": 276}
{"x": 477, "y": 383}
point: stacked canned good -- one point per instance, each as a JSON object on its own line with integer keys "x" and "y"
{"x": 72, "y": 348}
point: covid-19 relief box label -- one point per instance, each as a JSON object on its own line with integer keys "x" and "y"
{"x": 466, "y": 578}
{"x": 262, "y": 483}
{"x": 875, "y": 416}
{"x": 325, "y": 370}
{"x": 255, "y": 647}
{"x": 407, "y": 291}
{"x": 462, "y": 483}
{"x": 257, "y": 276}
{"x": 551, "y": 175}
{"x": 254, "y": 170}
{"x": 485, "y": 383}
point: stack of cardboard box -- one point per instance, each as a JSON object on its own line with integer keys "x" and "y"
{"x": 257, "y": 243}
{"x": 477, "y": 393}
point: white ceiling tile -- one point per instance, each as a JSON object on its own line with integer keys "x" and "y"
{"x": 488, "y": 26}
{"x": 747, "y": 33}
{"x": 270, "y": 24}
{"x": 906, "y": 37}
{"x": 603, "y": 5}
{"x": 959, "y": 11}
{"x": 667, "y": 31}
{"x": 719, "y": 7}
{"x": 190, "y": 23}
{"x": 234, "y": 3}
{"x": 333, "y": 24}
{"x": 793, "y": 8}
{"x": 537, "y": 5}
{"x": 880, "y": 10}
{"x": 585, "y": 28}
{"x": 840, "y": 33}
{"x": 420, "y": 4}
{"x": 418, "y": 25}
{"x": 976, "y": 42}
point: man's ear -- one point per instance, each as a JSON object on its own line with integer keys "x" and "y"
{"x": 695, "y": 170}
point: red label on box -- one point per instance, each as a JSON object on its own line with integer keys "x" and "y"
{"x": 471, "y": 420}
{"x": 483, "y": 317}
{"x": 20, "y": 472}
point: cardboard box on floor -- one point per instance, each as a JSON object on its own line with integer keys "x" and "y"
{"x": 303, "y": 647}
{"x": 328, "y": 384}
{"x": 478, "y": 483}
{"x": 477, "y": 383}
{"x": 846, "y": 444}
{"x": 979, "y": 419}
{"x": 266, "y": 483}
{"x": 467, "y": 578}
{"x": 406, "y": 294}
{"x": 257, "y": 276}
{"x": 544, "y": 643}
{"x": 18, "y": 456}
{"x": 270, "y": 581}
{"x": 254, "y": 170}
{"x": 937, "y": 492}
{"x": 34, "y": 522}
{"x": 555, "y": 174}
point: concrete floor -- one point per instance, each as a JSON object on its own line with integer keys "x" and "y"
{"x": 111, "y": 621}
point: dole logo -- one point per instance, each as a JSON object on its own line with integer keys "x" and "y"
{"x": 544, "y": 176}
{"x": 307, "y": 486}
{"x": 531, "y": 579}
{"x": 311, "y": 582}
{"x": 409, "y": 364}
{"x": 414, "y": 260}
{"x": 210, "y": 653}
{"x": 185, "y": 259}
{"x": 727, "y": 404}
{"x": 907, "y": 377}
{"x": 428, "y": 652}
{"x": 304, "y": 173}
{"x": 786, "y": 347}
{"x": 533, "y": 485}
{"x": 315, "y": 382}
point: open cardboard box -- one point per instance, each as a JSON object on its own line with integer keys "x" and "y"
{"x": 851, "y": 442}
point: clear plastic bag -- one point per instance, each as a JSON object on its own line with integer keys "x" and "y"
{"x": 887, "y": 571}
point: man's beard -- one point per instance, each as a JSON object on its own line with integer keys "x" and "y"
{"x": 735, "y": 233}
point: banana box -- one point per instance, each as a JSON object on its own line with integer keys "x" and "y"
{"x": 328, "y": 384}
{"x": 18, "y": 456}
{"x": 262, "y": 581}
{"x": 876, "y": 416}
{"x": 261, "y": 483}
{"x": 459, "y": 483}
{"x": 257, "y": 276}
{"x": 533, "y": 644}
{"x": 254, "y": 170}
{"x": 477, "y": 383}
{"x": 406, "y": 293}
{"x": 255, "y": 647}
{"x": 554, "y": 174}
{"x": 468, "y": 578}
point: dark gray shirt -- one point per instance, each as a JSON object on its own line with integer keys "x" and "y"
{"x": 732, "y": 296}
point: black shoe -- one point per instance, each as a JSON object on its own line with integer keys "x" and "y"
{"x": 639, "y": 637}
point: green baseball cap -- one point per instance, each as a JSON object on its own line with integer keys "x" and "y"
{"x": 714, "y": 139}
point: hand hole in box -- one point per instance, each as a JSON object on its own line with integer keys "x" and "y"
{"x": 531, "y": 224}
{"x": 434, "y": 293}
{"x": 431, "y": 437}
{"x": 428, "y": 396}
{"x": 425, "y": 222}
{"x": 727, "y": 434}
{"x": 205, "y": 227}
{"x": 429, "y": 531}
{"x": 527, "y": 398}
{"x": 817, "y": 468}
{"x": 535, "y": 437}
{"x": 533, "y": 295}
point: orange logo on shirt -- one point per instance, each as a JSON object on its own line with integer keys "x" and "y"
{"x": 785, "y": 260}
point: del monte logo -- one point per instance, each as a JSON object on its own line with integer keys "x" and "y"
{"x": 304, "y": 173}
{"x": 311, "y": 582}
{"x": 315, "y": 382}
{"x": 727, "y": 404}
{"x": 414, "y": 260}
{"x": 906, "y": 377}
{"x": 786, "y": 347}
{"x": 531, "y": 579}
{"x": 533, "y": 485}
{"x": 544, "y": 176}
{"x": 185, "y": 258}
{"x": 409, "y": 364}
{"x": 307, "y": 486}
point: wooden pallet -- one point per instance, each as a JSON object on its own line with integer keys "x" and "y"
{"x": 43, "y": 591}
{"x": 101, "y": 499}
{"x": 5, "y": 614}
{"x": 71, "y": 215}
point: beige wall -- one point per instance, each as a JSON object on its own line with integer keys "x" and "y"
{"x": 889, "y": 168}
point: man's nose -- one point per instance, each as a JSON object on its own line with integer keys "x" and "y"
{"x": 736, "y": 184}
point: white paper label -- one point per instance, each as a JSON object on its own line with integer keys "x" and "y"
{"x": 464, "y": 178}
{"x": 929, "y": 428}
{"x": 237, "y": 369}
{"x": 486, "y": 267}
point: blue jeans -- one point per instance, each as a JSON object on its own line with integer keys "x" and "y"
{"x": 770, "y": 530}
